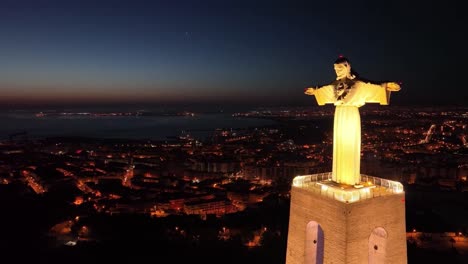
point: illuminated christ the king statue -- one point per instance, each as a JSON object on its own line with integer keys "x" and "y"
{"x": 348, "y": 93}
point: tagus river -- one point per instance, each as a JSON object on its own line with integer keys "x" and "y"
{"x": 125, "y": 127}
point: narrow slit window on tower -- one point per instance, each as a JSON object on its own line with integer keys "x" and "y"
{"x": 314, "y": 244}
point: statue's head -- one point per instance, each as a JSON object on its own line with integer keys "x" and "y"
{"x": 343, "y": 69}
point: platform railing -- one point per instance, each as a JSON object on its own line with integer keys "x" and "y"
{"x": 374, "y": 187}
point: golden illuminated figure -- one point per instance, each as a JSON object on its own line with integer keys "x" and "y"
{"x": 348, "y": 93}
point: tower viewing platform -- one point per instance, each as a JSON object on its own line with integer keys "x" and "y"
{"x": 369, "y": 187}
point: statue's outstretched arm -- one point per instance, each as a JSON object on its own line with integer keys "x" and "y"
{"x": 377, "y": 92}
{"x": 323, "y": 95}
{"x": 389, "y": 86}
{"x": 312, "y": 90}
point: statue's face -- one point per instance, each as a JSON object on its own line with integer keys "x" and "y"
{"x": 342, "y": 70}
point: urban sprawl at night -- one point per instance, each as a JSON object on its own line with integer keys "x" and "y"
{"x": 229, "y": 191}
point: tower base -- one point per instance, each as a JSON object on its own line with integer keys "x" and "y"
{"x": 334, "y": 223}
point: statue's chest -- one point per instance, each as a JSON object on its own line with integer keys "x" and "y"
{"x": 342, "y": 89}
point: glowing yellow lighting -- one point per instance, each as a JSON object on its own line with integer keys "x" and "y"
{"x": 297, "y": 181}
{"x": 346, "y": 193}
{"x": 348, "y": 93}
{"x": 398, "y": 187}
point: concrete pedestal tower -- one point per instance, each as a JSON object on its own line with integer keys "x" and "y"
{"x": 337, "y": 223}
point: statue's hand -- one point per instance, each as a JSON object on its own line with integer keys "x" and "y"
{"x": 309, "y": 91}
{"x": 393, "y": 87}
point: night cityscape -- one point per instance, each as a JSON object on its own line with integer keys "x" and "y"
{"x": 229, "y": 191}
{"x": 172, "y": 132}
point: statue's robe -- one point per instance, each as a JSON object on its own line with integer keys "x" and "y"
{"x": 348, "y": 95}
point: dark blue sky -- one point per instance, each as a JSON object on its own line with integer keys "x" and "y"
{"x": 259, "y": 52}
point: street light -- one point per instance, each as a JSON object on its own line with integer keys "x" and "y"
{"x": 412, "y": 233}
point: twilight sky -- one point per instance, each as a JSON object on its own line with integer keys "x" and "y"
{"x": 259, "y": 52}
